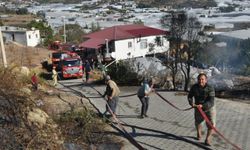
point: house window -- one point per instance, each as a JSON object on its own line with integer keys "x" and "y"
{"x": 36, "y": 36}
{"x": 129, "y": 44}
{"x": 143, "y": 44}
{"x": 29, "y": 37}
{"x": 158, "y": 41}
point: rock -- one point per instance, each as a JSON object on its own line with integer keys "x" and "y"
{"x": 39, "y": 103}
{"x": 72, "y": 146}
{"x": 37, "y": 117}
{"x": 25, "y": 70}
{"x": 112, "y": 146}
{"x": 26, "y": 90}
{"x": 50, "y": 92}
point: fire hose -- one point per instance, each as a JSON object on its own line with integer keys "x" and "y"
{"x": 138, "y": 145}
{"x": 172, "y": 103}
{"x": 215, "y": 129}
{"x": 204, "y": 117}
{"x": 118, "y": 122}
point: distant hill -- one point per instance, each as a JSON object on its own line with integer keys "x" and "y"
{"x": 149, "y": 3}
{"x": 179, "y": 3}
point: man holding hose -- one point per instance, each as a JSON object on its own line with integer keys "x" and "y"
{"x": 204, "y": 96}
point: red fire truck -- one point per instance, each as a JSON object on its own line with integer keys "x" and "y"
{"x": 59, "y": 46}
{"x": 57, "y": 56}
{"x": 71, "y": 66}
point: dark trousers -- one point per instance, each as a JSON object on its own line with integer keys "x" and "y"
{"x": 87, "y": 76}
{"x": 144, "y": 101}
{"x": 35, "y": 86}
{"x": 112, "y": 104}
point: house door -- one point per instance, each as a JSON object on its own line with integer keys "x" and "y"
{"x": 13, "y": 37}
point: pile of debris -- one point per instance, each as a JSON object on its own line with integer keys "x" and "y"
{"x": 226, "y": 85}
{"x": 231, "y": 86}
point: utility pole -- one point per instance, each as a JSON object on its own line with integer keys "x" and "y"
{"x": 64, "y": 30}
{"x": 3, "y": 49}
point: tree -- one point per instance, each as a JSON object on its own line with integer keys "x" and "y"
{"x": 1, "y": 23}
{"x": 189, "y": 52}
{"x": 95, "y": 27}
{"x": 22, "y": 11}
{"x": 244, "y": 56}
{"x": 177, "y": 27}
{"x": 138, "y": 21}
{"x": 182, "y": 52}
{"x": 74, "y": 33}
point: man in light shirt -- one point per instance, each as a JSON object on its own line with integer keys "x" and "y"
{"x": 143, "y": 95}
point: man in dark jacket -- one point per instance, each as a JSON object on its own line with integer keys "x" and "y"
{"x": 87, "y": 70}
{"x": 204, "y": 95}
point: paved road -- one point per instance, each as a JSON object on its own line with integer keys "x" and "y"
{"x": 167, "y": 128}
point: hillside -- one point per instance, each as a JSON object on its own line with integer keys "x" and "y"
{"x": 17, "y": 20}
{"x": 178, "y": 3}
{"x": 156, "y": 3}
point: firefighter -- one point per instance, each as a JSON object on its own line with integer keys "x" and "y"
{"x": 54, "y": 76}
{"x": 34, "y": 81}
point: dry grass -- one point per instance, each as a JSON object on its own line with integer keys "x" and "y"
{"x": 82, "y": 127}
{"x": 25, "y": 56}
{"x": 18, "y": 20}
{"x": 15, "y": 105}
{"x": 74, "y": 123}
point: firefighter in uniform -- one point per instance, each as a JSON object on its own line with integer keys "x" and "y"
{"x": 54, "y": 76}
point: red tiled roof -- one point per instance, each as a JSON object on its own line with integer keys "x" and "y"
{"x": 93, "y": 43}
{"x": 120, "y": 32}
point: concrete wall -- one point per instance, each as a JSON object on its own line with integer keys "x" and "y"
{"x": 27, "y": 38}
{"x": 19, "y": 37}
{"x": 123, "y": 51}
{"x": 33, "y": 38}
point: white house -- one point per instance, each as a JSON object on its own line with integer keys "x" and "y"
{"x": 21, "y": 36}
{"x": 125, "y": 41}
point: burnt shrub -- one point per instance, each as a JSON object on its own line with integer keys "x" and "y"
{"x": 123, "y": 73}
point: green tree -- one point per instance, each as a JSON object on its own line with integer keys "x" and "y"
{"x": 138, "y": 21}
{"x": 122, "y": 73}
{"x": 22, "y": 11}
{"x": 1, "y": 23}
{"x": 74, "y": 33}
{"x": 95, "y": 27}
